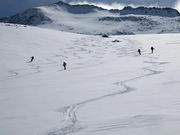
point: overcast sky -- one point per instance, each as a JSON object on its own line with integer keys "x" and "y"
{"x": 11, "y": 7}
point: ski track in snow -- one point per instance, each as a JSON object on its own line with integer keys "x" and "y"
{"x": 34, "y": 68}
{"x": 87, "y": 53}
{"x": 137, "y": 121}
{"x": 75, "y": 53}
{"x": 71, "y": 122}
{"x": 95, "y": 57}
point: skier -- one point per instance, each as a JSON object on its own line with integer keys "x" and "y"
{"x": 64, "y": 65}
{"x": 139, "y": 51}
{"x": 152, "y": 49}
{"x": 32, "y": 58}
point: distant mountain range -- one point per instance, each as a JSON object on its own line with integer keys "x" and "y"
{"x": 160, "y": 3}
{"x": 90, "y": 19}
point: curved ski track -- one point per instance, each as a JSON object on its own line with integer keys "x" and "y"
{"x": 71, "y": 123}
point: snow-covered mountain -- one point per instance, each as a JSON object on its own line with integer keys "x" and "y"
{"x": 160, "y": 3}
{"x": 164, "y": 12}
{"x": 89, "y": 19}
{"x": 32, "y": 16}
{"x": 107, "y": 89}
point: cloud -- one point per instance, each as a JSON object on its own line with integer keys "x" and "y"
{"x": 161, "y": 3}
{"x": 114, "y": 5}
{"x": 102, "y": 5}
{"x": 177, "y": 5}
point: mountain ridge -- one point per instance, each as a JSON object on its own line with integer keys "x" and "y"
{"x": 90, "y": 19}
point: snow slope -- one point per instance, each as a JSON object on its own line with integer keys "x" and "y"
{"x": 106, "y": 89}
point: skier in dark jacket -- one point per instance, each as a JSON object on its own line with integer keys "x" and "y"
{"x": 139, "y": 51}
{"x": 64, "y": 65}
{"x": 152, "y": 49}
{"x": 32, "y": 58}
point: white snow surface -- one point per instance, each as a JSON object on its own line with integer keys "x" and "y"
{"x": 107, "y": 89}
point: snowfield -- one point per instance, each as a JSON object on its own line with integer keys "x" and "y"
{"x": 107, "y": 89}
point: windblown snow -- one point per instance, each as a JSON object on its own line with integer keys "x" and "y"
{"x": 93, "y": 20}
{"x": 107, "y": 89}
